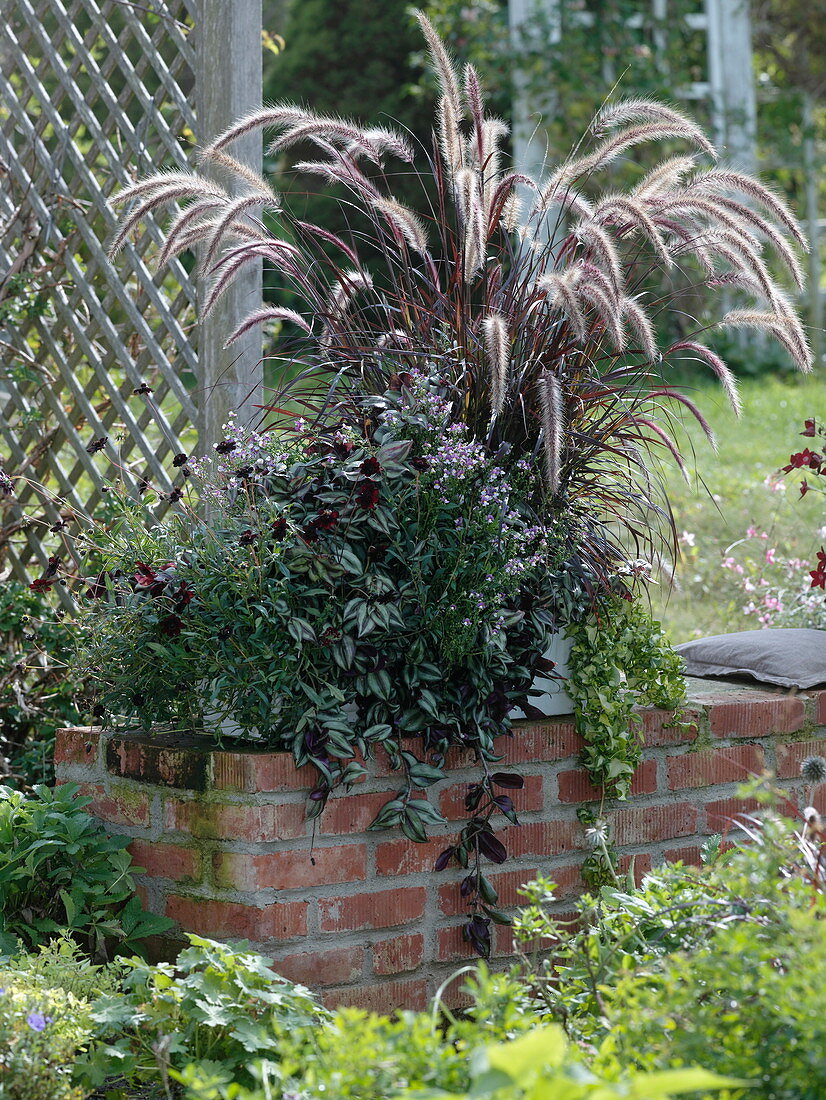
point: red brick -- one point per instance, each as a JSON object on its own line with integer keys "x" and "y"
{"x": 166, "y": 860}
{"x": 758, "y": 717}
{"x": 320, "y": 968}
{"x": 506, "y": 883}
{"x": 530, "y": 797}
{"x": 121, "y": 806}
{"x": 260, "y": 771}
{"x": 820, "y": 713}
{"x": 542, "y": 838}
{"x": 283, "y": 920}
{"x": 720, "y": 815}
{"x": 351, "y": 813}
{"x": 405, "y": 857}
{"x": 76, "y": 746}
{"x": 385, "y": 997}
{"x": 399, "y": 954}
{"x": 451, "y": 945}
{"x": 791, "y": 756}
{"x": 294, "y": 869}
{"x": 157, "y": 764}
{"x": 691, "y": 854}
{"x": 236, "y": 820}
{"x": 383, "y": 909}
{"x": 641, "y": 862}
{"x": 575, "y": 785}
{"x": 734, "y": 764}
{"x": 555, "y": 739}
{"x": 658, "y": 727}
{"x": 644, "y": 824}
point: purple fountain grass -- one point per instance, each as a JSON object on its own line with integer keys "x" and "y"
{"x": 539, "y": 321}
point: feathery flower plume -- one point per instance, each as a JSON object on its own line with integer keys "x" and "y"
{"x": 628, "y": 214}
{"x": 784, "y": 327}
{"x": 442, "y": 64}
{"x": 450, "y": 136}
{"x": 237, "y": 207}
{"x": 665, "y": 176}
{"x": 552, "y": 416}
{"x": 263, "y": 316}
{"x": 560, "y": 295}
{"x": 278, "y": 116}
{"x": 726, "y": 179}
{"x": 497, "y": 347}
{"x": 597, "y": 243}
{"x": 404, "y": 222}
{"x": 727, "y": 379}
{"x": 642, "y": 327}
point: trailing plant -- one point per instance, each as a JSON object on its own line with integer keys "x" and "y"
{"x": 527, "y": 295}
{"x": 349, "y": 595}
{"x": 59, "y": 870}
{"x": 620, "y": 658}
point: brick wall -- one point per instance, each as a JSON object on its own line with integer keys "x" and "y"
{"x": 360, "y": 915}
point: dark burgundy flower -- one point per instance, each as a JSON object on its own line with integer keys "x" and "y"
{"x": 367, "y": 495}
{"x": 802, "y": 459}
{"x": 96, "y": 586}
{"x": 224, "y": 633}
{"x": 818, "y": 574}
{"x": 98, "y": 711}
{"x": 342, "y": 448}
{"x": 376, "y": 553}
{"x": 95, "y": 445}
{"x": 810, "y": 428}
{"x": 6, "y": 484}
{"x": 419, "y": 463}
{"x": 182, "y": 595}
{"x": 61, "y": 525}
{"x": 52, "y": 567}
{"x": 144, "y": 576}
{"x": 179, "y": 460}
{"x": 226, "y": 446}
{"x": 804, "y": 488}
{"x": 170, "y": 626}
{"x": 142, "y": 389}
{"x": 279, "y": 528}
{"x": 143, "y": 486}
{"x": 138, "y": 699}
{"x": 326, "y": 520}
{"x": 42, "y": 584}
{"x": 309, "y": 532}
{"x": 243, "y": 472}
{"x": 247, "y": 538}
{"x": 175, "y": 495}
{"x": 371, "y": 467}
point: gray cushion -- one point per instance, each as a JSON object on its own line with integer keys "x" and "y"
{"x": 791, "y": 658}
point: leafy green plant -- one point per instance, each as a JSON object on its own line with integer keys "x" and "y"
{"x": 750, "y": 1001}
{"x": 59, "y": 870}
{"x": 620, "y": 658}
{"x": 349, "y": 595}
{"x": 215, "y": 1008}
{"x": 42, "y": 1031}
{"x": 62, "y": 964}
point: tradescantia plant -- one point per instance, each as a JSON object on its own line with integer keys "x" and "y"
{"x": 530, "y": 295}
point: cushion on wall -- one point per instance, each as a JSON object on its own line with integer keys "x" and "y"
{"x": 788, "y": 657}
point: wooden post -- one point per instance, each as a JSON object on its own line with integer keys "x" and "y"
{"x": 731, "y": 80}
{"x": 228, "y": 85}
{"x": 527, "y": 20}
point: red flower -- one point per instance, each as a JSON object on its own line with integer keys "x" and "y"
{"x": 819, "y": 575}
{"x": 810, "y": 428}
{"x": 279, "y": 528}
{"x": 170, "y": 626}
{"x": 145, "y": 576}
{"x": 326, "y": 520}
{"x": 367, "y": 495}
{"x": 42, "y": 584}
{"x": 802, "y": 459}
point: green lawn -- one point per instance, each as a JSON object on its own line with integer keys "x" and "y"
{"x": 728, "y": 494}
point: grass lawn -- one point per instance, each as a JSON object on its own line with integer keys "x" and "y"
{"x": 728, "y": 494}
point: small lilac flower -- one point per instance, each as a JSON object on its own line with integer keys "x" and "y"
{"x": 37, "y": 1021}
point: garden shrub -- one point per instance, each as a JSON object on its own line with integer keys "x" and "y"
{"x": 751, "y": 1003}
{"x": 217, "y": 1008}
{"x": 59, "y": 870}
{"x": 41, "y": 1032}
{"x": 61, "y": 964}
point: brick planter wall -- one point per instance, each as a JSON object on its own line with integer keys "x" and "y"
{"x": 360, "y": 915}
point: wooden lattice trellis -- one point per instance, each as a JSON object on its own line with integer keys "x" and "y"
{"x": 94, "y": 93}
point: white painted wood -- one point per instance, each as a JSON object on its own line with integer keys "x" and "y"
{"x": 813, "y": 171}
{"x": 229, "y": 86}
{"x": 731, "y": 77}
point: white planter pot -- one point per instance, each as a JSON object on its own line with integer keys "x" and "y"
{"x": 548, "y": 694}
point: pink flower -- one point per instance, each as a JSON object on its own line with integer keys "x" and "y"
{"x": 770, "y": 555}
